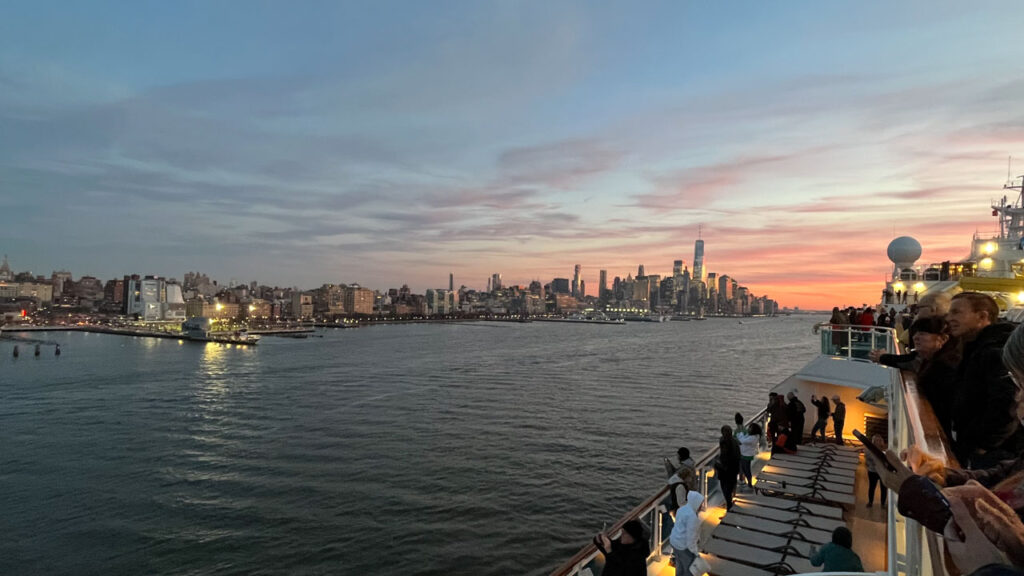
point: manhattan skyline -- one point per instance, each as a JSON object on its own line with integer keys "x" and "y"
{"x": 401, "y": 142}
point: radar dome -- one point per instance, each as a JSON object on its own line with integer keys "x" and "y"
{"x": 904, "y": 251}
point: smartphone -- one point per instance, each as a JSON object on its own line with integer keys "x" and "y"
{"x": 874, "y": 450}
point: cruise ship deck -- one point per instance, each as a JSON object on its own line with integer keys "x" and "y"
{"x": 799, "y": 499}
{"x": 772, "y": 527}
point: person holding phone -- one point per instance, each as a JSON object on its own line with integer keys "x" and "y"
{"x": 626, "y": 555}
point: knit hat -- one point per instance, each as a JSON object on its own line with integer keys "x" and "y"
{"x": 636, "y": 529}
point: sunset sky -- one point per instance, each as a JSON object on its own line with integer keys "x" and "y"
{"x": 394, "y": 142}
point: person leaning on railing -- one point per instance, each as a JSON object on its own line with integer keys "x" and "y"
{"x": 934, "y": 360}
{"x": 986, "y": 504}
{"x": 983, "y": 415}
{"x": 626, "y": 555}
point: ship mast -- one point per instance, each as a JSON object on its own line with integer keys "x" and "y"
{"x": 1011, "y": 216}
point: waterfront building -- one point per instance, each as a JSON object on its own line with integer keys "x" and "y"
{"x": 564, "y": 302}
{"x": 654, "y": 291}
{"x": 667, "y": 289}
{"x": 58, "y": 280}
{"x": 41, "y": 294}
{"x": 576, "y": 282}
{"x": 147, "y": 299}
{"x": 113, "y": 291}
{"x": 495, "y": 284}
{"x": 602, "y": 285}
{"x": 359, "y": 300}
{"x": 302, "y": 305}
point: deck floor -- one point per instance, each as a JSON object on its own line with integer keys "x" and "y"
{"x": 867, "y": 524}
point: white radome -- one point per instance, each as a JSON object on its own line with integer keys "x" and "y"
{"x": 904, "y": 251}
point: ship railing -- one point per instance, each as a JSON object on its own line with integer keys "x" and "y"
{"x": 913, "y": 549}
{"x": 854, "y": 341}
{"x": 654, "y": 513}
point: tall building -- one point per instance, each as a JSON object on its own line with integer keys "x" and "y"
{"x": 451, "y": 282}
{"x": 640, "y": 271}
{"x": 698, "y": 260}
{"x": 677, "y": 268}
{"x": 495, "y": 282}
{"x": 58, "y": 280}
{"x": 602, "y": 285}
{"x": 560, "y": 286}
{"x": 152, "y": 299}
{"x": 576, "y": 282}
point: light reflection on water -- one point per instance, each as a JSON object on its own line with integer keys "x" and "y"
{"x": 496, "y": 447}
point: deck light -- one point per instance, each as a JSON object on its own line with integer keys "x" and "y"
{"x": 986, "y": 263}
{"x": 919, "y": 286}
{"x": 1020, "y": 296}
{"x": 990, "y": 248}
{"x": 898, "y": 286}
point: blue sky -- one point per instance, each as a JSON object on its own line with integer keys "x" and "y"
{"x": 388, "y": 143}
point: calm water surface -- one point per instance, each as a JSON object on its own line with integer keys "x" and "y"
{"x": 484, "y": 448}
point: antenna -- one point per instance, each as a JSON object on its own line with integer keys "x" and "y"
{"x": 700, "y": 227}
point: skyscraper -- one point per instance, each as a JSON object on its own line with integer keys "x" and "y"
{"x": 677, "y": 268}
{"x": 576, "y": 282}
{"x": 451, "y": 282}
{"x": 698, "y": 260}
{"x": 602, "y": 286}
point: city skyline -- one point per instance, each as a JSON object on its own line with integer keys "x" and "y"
{"x": 409, "y": 141}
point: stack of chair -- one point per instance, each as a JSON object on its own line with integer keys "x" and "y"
{"x": 797, "y": 504}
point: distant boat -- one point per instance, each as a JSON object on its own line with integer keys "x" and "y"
{"x": 198, "y": 330}
{"x": 594, "y": 317}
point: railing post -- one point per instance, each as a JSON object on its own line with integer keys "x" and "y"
{"x": 657, "y": 530}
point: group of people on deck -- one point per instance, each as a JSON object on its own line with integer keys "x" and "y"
{"x": 967, "y": 366}
{"x": 786, "y": 420}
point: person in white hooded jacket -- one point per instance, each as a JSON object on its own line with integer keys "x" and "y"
{"x": 684, "y": 533}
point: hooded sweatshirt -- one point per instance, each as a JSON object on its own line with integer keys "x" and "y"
{"x": 687, "y": 526}
{"x": 748, "y": 445}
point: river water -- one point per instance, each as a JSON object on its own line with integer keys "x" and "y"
{"x": 484, "y": 448}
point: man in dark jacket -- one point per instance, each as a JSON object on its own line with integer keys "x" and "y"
{"x": 838, "y": 417}
{"x": 796, "y": 409}
{"x": 824, "y": 410}
{"x": 984, "y": 407}
{"x": 727, "y": 467}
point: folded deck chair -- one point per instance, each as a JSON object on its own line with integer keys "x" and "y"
{"x": 828, "y": 475}
{"x": 805, "y": 508}
{"x": 777, "y": 562}
{"x": 817, "y": 492}
{"x": 785, "y": 516}
{"x": 804, "y": 533}
{"x": 796, "y": 459}
{"x": 762, "y": 540}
